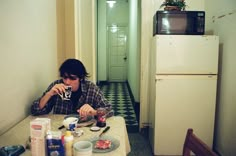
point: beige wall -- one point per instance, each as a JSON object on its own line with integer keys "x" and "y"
{"x": 65, "y": 30}
{"x": 85, "y": 32}
{"x": 36, "y": 37}
{"x": 221, "y": 21}
{"x": 76, "y": 23}
{"x": 28, "y": 55}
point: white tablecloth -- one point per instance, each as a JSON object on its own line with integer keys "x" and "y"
{"x": 19, "y": 134}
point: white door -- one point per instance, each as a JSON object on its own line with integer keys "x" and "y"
{"x": 117, "y": 49}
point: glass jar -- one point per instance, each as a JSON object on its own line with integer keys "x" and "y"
{"x": 101, "y": 117}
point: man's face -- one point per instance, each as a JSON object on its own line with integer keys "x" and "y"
{"x": 71, "y": 80}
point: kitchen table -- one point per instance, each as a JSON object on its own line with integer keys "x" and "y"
{"x": 19, "y": 134}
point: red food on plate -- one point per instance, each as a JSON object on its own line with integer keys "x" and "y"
{"x": 103, "y": 144}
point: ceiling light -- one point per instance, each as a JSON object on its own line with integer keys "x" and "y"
{"x": 111, "y": 3}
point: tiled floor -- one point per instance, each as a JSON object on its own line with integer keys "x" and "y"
{"x": 139, "y": 145}
{"x": 118, "y": 94}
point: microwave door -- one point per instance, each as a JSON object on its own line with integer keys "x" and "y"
{"x": 174, "y": 24}
{"x": 179, "y": 23}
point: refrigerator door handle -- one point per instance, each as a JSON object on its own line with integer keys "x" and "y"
{"x": 158, "y": 80}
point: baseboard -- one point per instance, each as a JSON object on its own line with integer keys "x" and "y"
{"x": 130, "y": 93}
{"x": 136, "y": 105}
{"x": 100, "y": 83}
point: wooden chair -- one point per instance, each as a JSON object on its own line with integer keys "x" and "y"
{"x": 196, "y": 145}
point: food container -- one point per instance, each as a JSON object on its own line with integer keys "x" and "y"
{"x": 82, "y": 148}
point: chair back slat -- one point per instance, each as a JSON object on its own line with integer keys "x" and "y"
{"x": 196, "y": 145}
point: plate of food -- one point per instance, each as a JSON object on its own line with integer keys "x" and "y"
{"x": 104, "y": 144}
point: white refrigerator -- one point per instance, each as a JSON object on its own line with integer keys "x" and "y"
{"x": 182, "y": 88}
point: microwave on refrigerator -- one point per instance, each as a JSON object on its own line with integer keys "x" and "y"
{"x": 179, "y": 23}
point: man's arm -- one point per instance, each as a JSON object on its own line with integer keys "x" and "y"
{"x": 94, "y": 99}
{"x": 103, "y": 102}
{"x": 56, "y": 89}
{"x": 44, "y": 104}
{"x": 44, "y": 100}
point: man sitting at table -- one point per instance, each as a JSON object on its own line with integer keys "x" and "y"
{"x": 85, "y": 99}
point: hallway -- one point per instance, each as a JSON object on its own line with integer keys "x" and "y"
{"x": 118, "y": 95}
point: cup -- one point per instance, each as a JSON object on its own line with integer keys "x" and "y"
{"x": 67, "y": 94}
{"x": 82, "y": 148}
{"x": 70, "y": 123}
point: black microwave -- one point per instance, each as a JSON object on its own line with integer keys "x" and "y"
{"x": 179, "y": 23}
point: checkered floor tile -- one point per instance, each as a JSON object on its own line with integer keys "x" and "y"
{"x": 118, "y": 94}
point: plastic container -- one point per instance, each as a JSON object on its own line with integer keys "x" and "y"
{"x": 68, "y": 143}
{"x": 83, "y": 148}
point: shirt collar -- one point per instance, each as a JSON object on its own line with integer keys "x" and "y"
{"x": 83, "y": 87}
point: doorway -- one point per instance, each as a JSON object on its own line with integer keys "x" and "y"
{"x": 112, "y": 42}
{"x": 122, "y": 17}
{"x": 117, "y": 53}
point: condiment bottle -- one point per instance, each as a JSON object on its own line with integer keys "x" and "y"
{"x": 68, "y": 143}
{"x": 101, "y": 117}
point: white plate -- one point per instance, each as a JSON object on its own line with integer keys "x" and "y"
{"x": 114, "y": 144}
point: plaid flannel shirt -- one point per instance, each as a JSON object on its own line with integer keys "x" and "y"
{"x": 91, "y": 94}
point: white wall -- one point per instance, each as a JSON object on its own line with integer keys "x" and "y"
{"x": 118, "y": 14}
{"x": 101, "y": 40}
{"x": 221, "y": 21}
{"x": 134, "y": 50}
{"x": 28, "y": 55}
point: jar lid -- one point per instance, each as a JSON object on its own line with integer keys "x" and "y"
{"x": 95, "y": 128}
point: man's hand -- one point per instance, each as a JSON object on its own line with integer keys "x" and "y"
{"x": 57, "y": 89}
{"x": 86, "y": 110}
